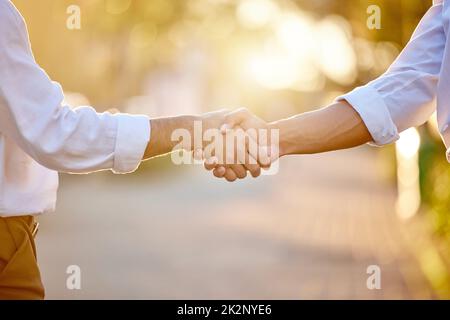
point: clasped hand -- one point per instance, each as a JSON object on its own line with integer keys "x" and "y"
{"x": 248, "y": 145}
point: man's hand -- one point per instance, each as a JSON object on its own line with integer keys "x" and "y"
{"x": 230, "y": 154}
{"x": 256, "y": 128}
{"x": 335, "y": 127}
{"x": 258, "y": 146}
{"x": 229, "y": 160}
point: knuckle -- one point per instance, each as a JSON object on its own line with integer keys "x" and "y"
{"x": 243, "y": 111}
{"x": 256, "y": 171}
{"x": 242, "y": 173}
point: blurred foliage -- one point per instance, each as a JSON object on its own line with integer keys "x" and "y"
{"x": 435, "y": 182}
{"x": 121, "y": 42}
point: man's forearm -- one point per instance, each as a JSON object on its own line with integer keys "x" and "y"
{"x": 161, "y": 134}
{"x": 335, "y": 127}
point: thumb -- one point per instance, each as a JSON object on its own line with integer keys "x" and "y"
{"x": 234, "y": 119}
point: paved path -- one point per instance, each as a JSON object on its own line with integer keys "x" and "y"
{"x": 309, "y": 232}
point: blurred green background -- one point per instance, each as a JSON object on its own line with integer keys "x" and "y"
{"x": 262, "y": 54}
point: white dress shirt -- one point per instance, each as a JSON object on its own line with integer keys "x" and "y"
{"x": 406, "y": 95}
{"x": 39, "y": 136}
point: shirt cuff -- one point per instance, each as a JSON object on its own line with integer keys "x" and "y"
{"x": 133, "y": 135}
{"x": 375, "y": 114}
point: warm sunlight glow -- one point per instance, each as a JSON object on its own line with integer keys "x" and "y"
{"x": 408, "y": 201}
{"x": 143, "y": 35}
{"x": 256, "y": 13}
{"x": 302, "y": 52}
{"x": 273, "y": 69}
{"x": 409, "y": 143}
{"x": 335, "y": 53}
{"x": 295, "y": 32}
{"x": 117, "y": 6}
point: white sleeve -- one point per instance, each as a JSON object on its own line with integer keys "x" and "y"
{"x": 58, "y": 137}
{"x": 405, "y": 95}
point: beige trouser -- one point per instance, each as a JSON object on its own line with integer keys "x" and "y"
{"x": 19, "y": 272}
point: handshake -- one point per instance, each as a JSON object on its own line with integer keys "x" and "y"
{"x": 233, "y": 144}
{"x": 230, "y": 144}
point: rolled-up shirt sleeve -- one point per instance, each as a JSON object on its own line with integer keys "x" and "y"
{"x": 60, "y": 138}
{"x": 405, "y": 96}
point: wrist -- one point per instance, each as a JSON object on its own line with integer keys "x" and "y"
{"x": 283, "y": 146}
{"x": 187, "y": 122}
